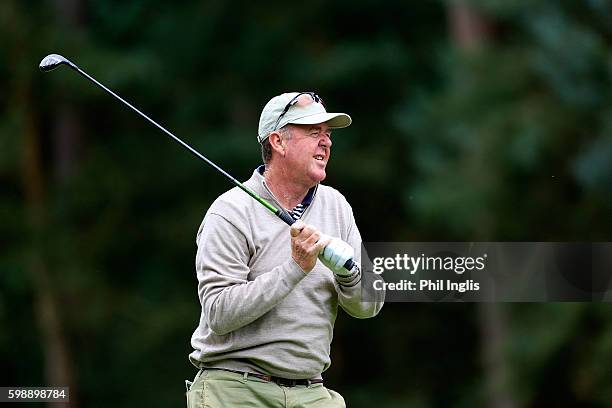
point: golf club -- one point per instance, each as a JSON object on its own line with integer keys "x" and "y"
{"x": 52, "y": 61}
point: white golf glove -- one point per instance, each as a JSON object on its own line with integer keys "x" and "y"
{"x": 335, "y": 255}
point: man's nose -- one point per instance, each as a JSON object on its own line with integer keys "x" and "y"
{"x": 325, "y": 140}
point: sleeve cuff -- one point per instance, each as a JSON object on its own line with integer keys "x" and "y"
{"x": 350, "y": 280}
{"x": 295, "y": 273}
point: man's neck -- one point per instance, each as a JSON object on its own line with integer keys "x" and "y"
{"x": 284, "y": 187}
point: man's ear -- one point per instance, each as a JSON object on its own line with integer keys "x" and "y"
{"x": 277, "y": 143}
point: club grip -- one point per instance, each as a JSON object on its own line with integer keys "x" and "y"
{"x": 284, "y": 215}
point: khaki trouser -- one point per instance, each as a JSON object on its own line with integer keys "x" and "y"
{"x": 219, "y": 389}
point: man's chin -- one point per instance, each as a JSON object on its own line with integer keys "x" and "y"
{"x": 319, "y": 176}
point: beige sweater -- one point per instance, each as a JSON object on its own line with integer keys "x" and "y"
{"x": 260, "y": 312}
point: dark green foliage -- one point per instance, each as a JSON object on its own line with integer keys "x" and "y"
{"x": 508, "y": 142}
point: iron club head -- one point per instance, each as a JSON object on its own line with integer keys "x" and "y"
{"x": 52, "y": 61}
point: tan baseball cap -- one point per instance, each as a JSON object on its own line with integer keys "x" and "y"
{"x": 300, "y": 108}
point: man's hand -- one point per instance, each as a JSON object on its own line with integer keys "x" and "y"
{"x": 306, "y": 244}
{"x": 335, "y": 255}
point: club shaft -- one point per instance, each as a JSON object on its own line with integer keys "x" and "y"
{"x": 182, "y": 143}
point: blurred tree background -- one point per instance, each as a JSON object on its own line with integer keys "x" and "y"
{"x": 474, "y": 120}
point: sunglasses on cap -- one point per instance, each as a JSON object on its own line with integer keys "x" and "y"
{"x": 315, "y": 98}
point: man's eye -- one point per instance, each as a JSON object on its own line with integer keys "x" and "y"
{"x": 318, "y": 134}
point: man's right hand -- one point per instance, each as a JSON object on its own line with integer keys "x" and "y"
{"x": 306, "y": 244}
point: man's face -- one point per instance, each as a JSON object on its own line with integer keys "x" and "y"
{"x": 307, "y": 152}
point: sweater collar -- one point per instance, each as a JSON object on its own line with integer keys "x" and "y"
{"x": 262, "y": 189}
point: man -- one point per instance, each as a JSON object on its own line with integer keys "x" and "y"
{"x": 270, "y": 294}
